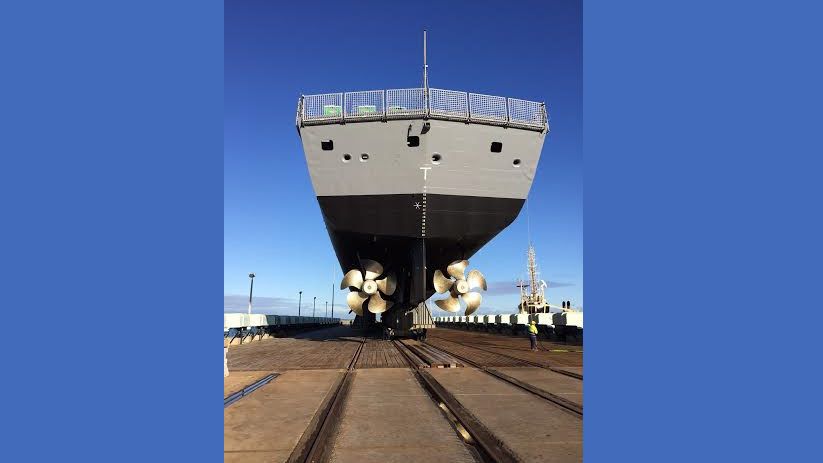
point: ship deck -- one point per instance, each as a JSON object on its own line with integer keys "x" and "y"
{"x": 458, "y": 397}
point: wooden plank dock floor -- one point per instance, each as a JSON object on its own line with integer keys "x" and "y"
{"x": 550, "y": 354}
{"x": 387, "y": 415}
{"x": 434, "y": 358}
{"x": 482, "y": 358}
{"x": 378, "y": 353}
{"x": 330, "y": 348}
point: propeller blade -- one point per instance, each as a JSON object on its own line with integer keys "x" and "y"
{"x": 378, "y": 305}
{"x": 355, "y": 299}
{"x": 476, "y": 280}
{"x": 457, "y": 269}
{"x": 373, "y": 269}
{"x": 387, "y": 285}
{"x": 352, "y": 279}
{"x": 441, "y": 283}
{"x": 472, "y": 301}
{"x": 450, "y": 304}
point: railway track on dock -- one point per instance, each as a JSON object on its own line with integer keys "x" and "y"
{"x": 489, "y": 448}
{"x": 575, "y": 408}
{"x": 316, "y": 443}
{"x": 518, "y": 359}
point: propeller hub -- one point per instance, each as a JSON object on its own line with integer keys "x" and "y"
{"x": 459, "y": 287}
{"x": 369, "y": 287}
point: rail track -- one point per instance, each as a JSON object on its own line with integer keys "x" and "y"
{"x": 487, "y": 446}
{"x": 527, "y": 362}
{"x": 318, "y": 440}
{"x": 316, "y": 443}
{"x": 576, "y": 409}
{"x": 232, "y": 398}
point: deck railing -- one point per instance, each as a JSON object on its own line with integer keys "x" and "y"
{"x": 417, "y": 103}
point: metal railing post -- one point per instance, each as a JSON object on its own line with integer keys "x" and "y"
{"x": 508, "y": 116}
{"x": 468, "y": 108}
{"x": 544, "y": 117}
{"x": 426, "y": 102}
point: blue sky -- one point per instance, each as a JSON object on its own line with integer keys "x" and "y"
{"x": 275, "y": 51}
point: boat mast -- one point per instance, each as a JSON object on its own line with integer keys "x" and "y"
{"x": 425, "y": 69}
{"x": 532, "y": 272}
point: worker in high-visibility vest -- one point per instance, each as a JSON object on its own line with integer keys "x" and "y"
{"x": 533, "y": 335}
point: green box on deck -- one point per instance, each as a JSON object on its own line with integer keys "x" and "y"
{"x": 367, "y": 109}
{"x": 332, "y": 110}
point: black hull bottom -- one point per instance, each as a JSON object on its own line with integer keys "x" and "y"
{"x": 413, "y": 236}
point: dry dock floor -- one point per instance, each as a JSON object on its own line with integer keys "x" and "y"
{"x": 550, "y": 354}
{"x": 390, "y": 418}
{"x": 536, "y": 429}
{"x": 386, "y": 415}
{"x": 266, "y": 425}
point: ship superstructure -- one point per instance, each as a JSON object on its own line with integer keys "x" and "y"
{"x": 412, "y": 181}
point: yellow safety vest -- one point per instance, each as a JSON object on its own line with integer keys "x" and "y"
{"x": 533, "y": 329}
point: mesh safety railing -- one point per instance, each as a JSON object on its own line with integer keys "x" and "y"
{"x": 405, "y": 102}
{"x": 449, "y": 104}
{"x": 327, "y": 107}
{"x": 526, "y": 113}
{"x": 364, "y": 105}
{"x": 417, "y": 103}
{"x": 488, "y": 108}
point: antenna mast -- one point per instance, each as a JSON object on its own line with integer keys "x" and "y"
{"x": 425, "y": 66}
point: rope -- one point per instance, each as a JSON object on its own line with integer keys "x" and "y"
{"x": 528, "y": 222}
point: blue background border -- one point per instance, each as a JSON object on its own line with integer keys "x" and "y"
{"x": 113, "y": 205}
{"x": 702, "y": 191}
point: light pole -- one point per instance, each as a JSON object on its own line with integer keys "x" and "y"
{"x": 299, "y": 301}
{"x": 251, "y": 288}
{"x": 332, "y": 300}
{"x": 326, "y": 313}
{"x": 313, "y": 305}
